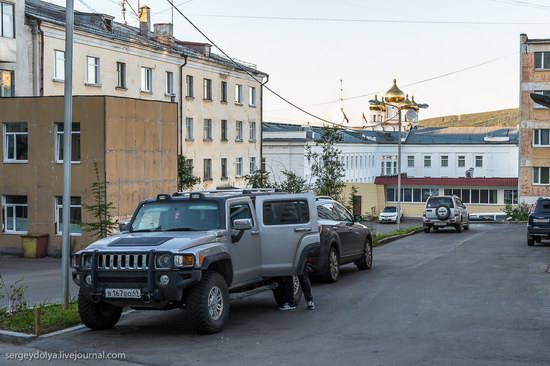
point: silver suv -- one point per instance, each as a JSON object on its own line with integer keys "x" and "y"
{"x": 443, "y": 211}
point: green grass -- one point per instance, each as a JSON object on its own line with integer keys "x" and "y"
{"x": 53, "y": 318}
{"x": 378, "y": 237}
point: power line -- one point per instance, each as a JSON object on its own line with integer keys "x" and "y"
{"x": 247, "y": 72}
{"x": 522, "y": 3}
{"x": 165, "y": 10}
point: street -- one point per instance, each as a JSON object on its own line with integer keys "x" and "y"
{"x": 474, "y": 298}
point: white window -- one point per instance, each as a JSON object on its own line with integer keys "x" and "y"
{"x": 169, "y": 83}
{"x": 207, "y": 129}
{"x": 92, "y": 70}
{"x": 541, "y": 175}
{"x": 388, "y": 165}
{"x": 207, "y": 169}
{"x": 510, "y": 196}
{"x": 121, "y": 75}
{"x": 189, "y": 163}
{"x": 207, "y": 89}
{"x": 189, "y": 129}
{"x": 252, "y": 130}
{"x": 461, "y": 161}
{"x": 7, "y": 84}
{"x": 75, "y": 216}
{"x": 75, "y": 143}
{"x": 427, "y": 161}
{"x": 410, "y": 161}
{"x": 238, "y": 94}
{"x": 239, "y": 131}
{"x": 59, "y": 65}
{"x": 252, "y": 165}
{"x": 224, "y": 168}
{"x": 16, "y": 142}
{"x": 239, "y": 167}
{"x": 7, "y": 28}
{"x": 542, "y": 60}
{"x": 146, "y": 79}
{"x": 224, "y": 91}
{"x": 444, "y": 161}
{"x": 541, "y": 137}
{"x": 15, "y": 213}
{"x": 252, "y": 96}
{"x": 224, "y": 130}
{"x": 479, "y": 161}
{"x": 189, "y": 85}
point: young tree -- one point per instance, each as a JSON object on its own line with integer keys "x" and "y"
{"x": 186, "y": 179}
{"x": 260, "y": 179}
{"x": 351, "y": 198}
{"x": 103, "y": 223}
{"x": 293, "y": 183}
{"x": 326, "y": 167}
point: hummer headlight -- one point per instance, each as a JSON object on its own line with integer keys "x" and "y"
{"x": 185, "y": 260}
{"x": 163, "y": 261}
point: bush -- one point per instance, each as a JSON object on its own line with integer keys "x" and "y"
{"x": 517, "y": 212}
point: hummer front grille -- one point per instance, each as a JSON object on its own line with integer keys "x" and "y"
{"x": 122, "y": 261}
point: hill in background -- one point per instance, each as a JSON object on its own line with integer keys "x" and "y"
{"x": 503, "y": 117}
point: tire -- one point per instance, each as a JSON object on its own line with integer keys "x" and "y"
{"x": 445, "y": 215}
{"x": 530, "y": 242}
{"x": 97, "y": 315}
{"x": 467, "y": 226}
{"x": 280, "y": 295}
{"x": 459, "y": 228}
{"x": 436, "y": 228}
{"x": 366, "y": 261}
{"x": 538, "y": 239}
{"x": 208, "y": 303}
{"x": 333, "y": 266}
{"x": 426, "y": 229}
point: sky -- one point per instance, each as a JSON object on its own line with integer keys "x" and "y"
{"x": 470, "y": 48}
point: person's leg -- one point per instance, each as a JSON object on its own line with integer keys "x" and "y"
{"x": 287, "y": 284}
{"x": 306, "y": 284}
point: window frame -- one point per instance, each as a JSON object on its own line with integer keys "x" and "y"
{"x": 252, "y": 165}
{"x": 169, "y": 83}
{"x": 410, "y": 161}
{"x": 96, "y": 67}
{"x": 461, "y": 161}
{"x": 207, "y": 169}
{"x": 207, "y": 89}
{"x": 2, "y": 33}
{"x": 239, "y": 167}
{"x": 207, "y": 129}
{"x": 538, "y": 137}
{"x": 58, "y": 68}
{"x": 190, "y": 89}
{"x": 239, "y": 131}
{"x": 58, "y": 142}
{"x": 189, "y": 129}
{"x": 11, "y": 86}
{"x": 541, "y": 62}
{"x": 223, "y": 92}
{"x": 252, "y": 131}
{"x": 121, "y": 75}
{"x": 238, "y": 94}
{"x": 478, "y": 161}
{"x": 427, "y": 161}
{"x": 224, "y": 130}
{"x": 5, "y": 207}
{"x": 539, "y": 174}
{"x": 223, "y": 168}
{"x": 146, "y": 79}
{"x": 252, "y": 96}
{"x": 58, "y": 206}
{"x": 444, "y": 161}
{"x": 5, "y": 142}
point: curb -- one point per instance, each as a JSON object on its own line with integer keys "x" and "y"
{"x": 396, "y": 237}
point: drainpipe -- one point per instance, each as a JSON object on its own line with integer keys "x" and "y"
{"x": 262, "y": 165}
{"x": 180, "y": 119}
{"x": 38, "y": 58}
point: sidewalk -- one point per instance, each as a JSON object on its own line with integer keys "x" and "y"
{"x": 42, "y": 277}
{"x": 389, "y": 227}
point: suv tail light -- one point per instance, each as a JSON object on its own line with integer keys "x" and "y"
{"x": 319, "y": 227}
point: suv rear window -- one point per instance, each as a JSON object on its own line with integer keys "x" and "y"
{"x": 285, "y": 212}
{"x": 543, "y": 206}
{"x": 438, "y": 201}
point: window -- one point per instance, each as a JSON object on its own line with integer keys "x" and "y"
{"x": 189, "y": 129}
{"x": 16, "y": 142}
{"x": 486, "y": 196}
{"x": 542, "y": 60}
{"x": 252, "y": 130}
{"x": 7, "y": 84}
{"x": 239, "y": 167}
{"x": 285, "y": 212}
{"x": 479, "y": 161}
{"x": 75, "y": 143}
{"x": 207, "y": 129}
{"x": 75, "y": 216}
{"x": 239, "y": 131}
{"x": 238, "y": 94}
{"x": 189, "y": 163}
{"x": 541, "y": 92}
{"x": 388, "y": 165}
{"x": 252, "y": 165}
{"x": 146, "y": 79}
{"x": 224, "y": 168}
{"x": 224, "y": 130}
{"x": 427, "y": 161}
{"x": 15, "y": 213}
{"x": 541, "y": 175}
{"x": 461, "y": 161}
{"x": 7, "y": 30}
{"x": 189, "y": 85}
{"x": 239, "y": 211}
{"x": 207, "y": 89}
{"x": 224, "y": 92}
{"x": 412, "y": 194}
{"x": 541, "y": 137}
{"x": 410, "y": 161}
{"x": 92, "y": 70}
{"x": 207, "y": 169}
{"x": 252, "y": 96}
{"x": 510, "y": 196}
{"x": 444, "y": 160}
{"x": 59, "y": 65}
{"x": 121, "y": 75}
{"x": 169, "y": 83}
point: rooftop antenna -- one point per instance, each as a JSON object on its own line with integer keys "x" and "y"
{"x": 342, "y": 98}
{"x": 123, "y": 10}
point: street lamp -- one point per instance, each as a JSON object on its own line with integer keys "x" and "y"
{"x": 397, "y": 99}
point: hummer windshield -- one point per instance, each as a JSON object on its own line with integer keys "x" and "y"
{"x": 177, "y": 216}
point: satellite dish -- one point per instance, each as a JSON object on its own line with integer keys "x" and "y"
{"x": 412, "y": 115}
{"x": 470, "y": 173}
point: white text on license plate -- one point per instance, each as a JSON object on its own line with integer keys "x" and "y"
{"x": 544, "y": 221}
{"x": 123, "y": 293}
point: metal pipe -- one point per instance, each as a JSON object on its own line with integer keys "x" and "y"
{"x": 67, "y": 134}
{"x": 262, "y": 165}
{"x": 180, "y": 120}
{"x": 399, "y": 170}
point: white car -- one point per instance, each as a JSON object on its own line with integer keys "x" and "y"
{"x": 389, "y": 214}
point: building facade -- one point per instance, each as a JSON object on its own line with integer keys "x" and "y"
{"x": 534, "y": 153}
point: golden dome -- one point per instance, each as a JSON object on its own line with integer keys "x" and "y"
{"x": 415, "y": 105}
{"x": 374, "y": 104}
{"x": 407, "y": 104}
{"x": 394, "y": 95}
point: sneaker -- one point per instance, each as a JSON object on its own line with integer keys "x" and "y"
{"x": 310, "y": 305}
{"x": 287, "y": 306}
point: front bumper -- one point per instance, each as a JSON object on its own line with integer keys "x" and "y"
{"x": 387, "y": 218}
{"x": 537, "y": 231}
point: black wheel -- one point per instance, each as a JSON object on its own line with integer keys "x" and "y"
{"x": 436, "y": 228}
{"x": 427, "y": 229}
{"x": 538, "y": 239}
{"x": 279, "y": 292}
{"x": 530, "y": 242}
{"x": 459, "y": 228}
{"x": 366, "y": 261}
{"x": 467, "y": 226}
{"x": 208, "y": 303}
{"x": 97, "y": 315}
{"x": 333, "y": 266}
{"x": 443, "y": 212}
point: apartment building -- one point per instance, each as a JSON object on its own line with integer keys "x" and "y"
{"x": 219, "y": 103}
{"x": 534, "y": 129}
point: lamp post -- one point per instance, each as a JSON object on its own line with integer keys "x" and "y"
{"x": 397, "y": 99}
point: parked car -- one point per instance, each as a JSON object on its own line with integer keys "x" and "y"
{"x": 343, "y": 240}
{"x": 538, "y": 224}
{"x": 443, "y": 211}
{"x": 389, "y": 214}
{"x": 488, "y": 216}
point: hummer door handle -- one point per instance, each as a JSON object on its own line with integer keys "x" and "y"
{"x": 254, "y": 232}
{"x": 298, "y": 229}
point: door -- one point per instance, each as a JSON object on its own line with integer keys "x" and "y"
{"x": 350, "y": 235}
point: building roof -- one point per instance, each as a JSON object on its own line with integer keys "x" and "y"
{"x": 449, "y": 182}
{"x": 96, "y": 24}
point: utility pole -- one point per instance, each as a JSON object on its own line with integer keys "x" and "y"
{"x": 342, "y": 99}
{"x": 67, "y": 150}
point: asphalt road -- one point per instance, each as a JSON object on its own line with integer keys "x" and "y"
{"x": 480, "y": 297}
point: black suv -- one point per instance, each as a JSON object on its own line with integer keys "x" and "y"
{"x": 538, "y": 225}
{"x": 343, "y": 240}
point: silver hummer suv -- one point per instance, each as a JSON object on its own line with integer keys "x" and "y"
{"x": 197, "y": 251}
{"x": 443, "y": 211}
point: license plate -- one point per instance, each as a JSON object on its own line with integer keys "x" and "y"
{"x": 440, "y": 224}
{"x": 542, "y": 221}
{"x": 123, "y": 293}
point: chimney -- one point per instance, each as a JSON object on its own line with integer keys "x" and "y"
{"x": 164, "y": 33}
{"x": 144, "y": 20}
